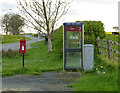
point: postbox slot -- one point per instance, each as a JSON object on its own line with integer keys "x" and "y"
{"x": 22, "y": 41}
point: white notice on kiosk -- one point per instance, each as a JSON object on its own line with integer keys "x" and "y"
{"x": 22, "y": 47}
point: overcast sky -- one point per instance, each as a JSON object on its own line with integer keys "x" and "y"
{"x": 99, "y": 10}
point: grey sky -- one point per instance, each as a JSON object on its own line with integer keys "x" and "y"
{"x": 104, "y": 10}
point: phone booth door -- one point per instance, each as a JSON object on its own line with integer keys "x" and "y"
{"x": 73, "y": 45}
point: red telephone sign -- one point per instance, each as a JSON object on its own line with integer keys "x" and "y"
{"x": 73, "y": 28}
{"x": 23, "y": 46}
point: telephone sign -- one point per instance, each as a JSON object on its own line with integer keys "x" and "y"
{"x": 73, "y": 28}
{"x": 73, "y": 45}
{"x": 22, "y": 46}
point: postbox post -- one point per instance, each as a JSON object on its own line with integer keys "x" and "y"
{"x": 23, "y": 59}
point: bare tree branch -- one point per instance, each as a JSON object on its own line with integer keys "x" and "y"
{"x": 43, "y": 14}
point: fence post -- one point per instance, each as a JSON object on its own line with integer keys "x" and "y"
{"x": 108, "y": 48}
{"x": 105, "y": 50}
{"x": 98, "y": 44}
{"x": 114, "y": 51}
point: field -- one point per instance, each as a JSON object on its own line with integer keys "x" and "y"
{"x": 13, "y": 38}
{"x": 0, "y": 39}
{"x": 110, "y": 33}
{"x": 37, "y": 60}
{"x": 113, "y": 37}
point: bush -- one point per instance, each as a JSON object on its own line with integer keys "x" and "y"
{"x": 58, "y": 42}
{"x": 35, "y": 35}
{"x": 14, "y": 38}
{"x": 10, "y": 53}
{"x": 92, "y": 29}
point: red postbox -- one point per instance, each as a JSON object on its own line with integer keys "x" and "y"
{"x": 23, "y": 46}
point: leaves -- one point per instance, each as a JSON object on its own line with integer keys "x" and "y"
{"x": 13, "y": 23}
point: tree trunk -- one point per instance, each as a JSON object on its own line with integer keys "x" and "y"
{"x": 49, "y": 44}
{"x": 6, "y": 33}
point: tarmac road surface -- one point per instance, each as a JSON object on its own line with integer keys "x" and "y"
{"x": 47, "y": 81}
{"x": 16, "y": 46}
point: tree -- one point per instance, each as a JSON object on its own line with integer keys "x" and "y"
{"x": 44, "y": 14}
{"x": 92, "y": 30}
{"x": 13, "y": 23}
{"x": 6, "y": 20}
{"x": 16, "y": 23}
{"x": 116, "y": 28}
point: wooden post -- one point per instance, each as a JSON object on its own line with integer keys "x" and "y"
{"x": 98, "y": 43}
{"x": 105, "y": 50}
{"x": 113, "y": 51}
{"x": 108, "y": 48}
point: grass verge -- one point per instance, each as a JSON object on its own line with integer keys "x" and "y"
{"x": 113, "y": 38}
{"x": 99, "y": 79}
{"x": 13, "y": 38}
{"x": 37, "y": 60}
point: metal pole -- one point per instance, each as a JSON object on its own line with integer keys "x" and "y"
{"x": 23, "y": 60}
{"x": 82, "y": 63}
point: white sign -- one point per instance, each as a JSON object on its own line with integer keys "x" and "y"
{"x": 73, "y": 37}
{"x": 22, "y": 47}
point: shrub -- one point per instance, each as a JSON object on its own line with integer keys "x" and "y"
{"x": 10, "y": 53}
{"x": 93, "y": 29}
{"x": 58, "y": 42}
{"x": 35, "y": 35}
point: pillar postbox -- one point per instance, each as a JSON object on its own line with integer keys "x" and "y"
{"x": 73, "y": 46}
{"x": 22, "y": 46}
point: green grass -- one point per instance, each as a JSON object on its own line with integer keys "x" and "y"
{"x": 35, "y": 44}
{"x": 0, "y": 39}
{"x": 13, "y": 38}
{"x": 93, "y": 81}
{"x": 37, "y": 60}
{"x": 113, "y": 37}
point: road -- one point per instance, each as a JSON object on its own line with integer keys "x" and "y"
{"x": 47, "y": 81}
{"x": 16, "y": 46}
